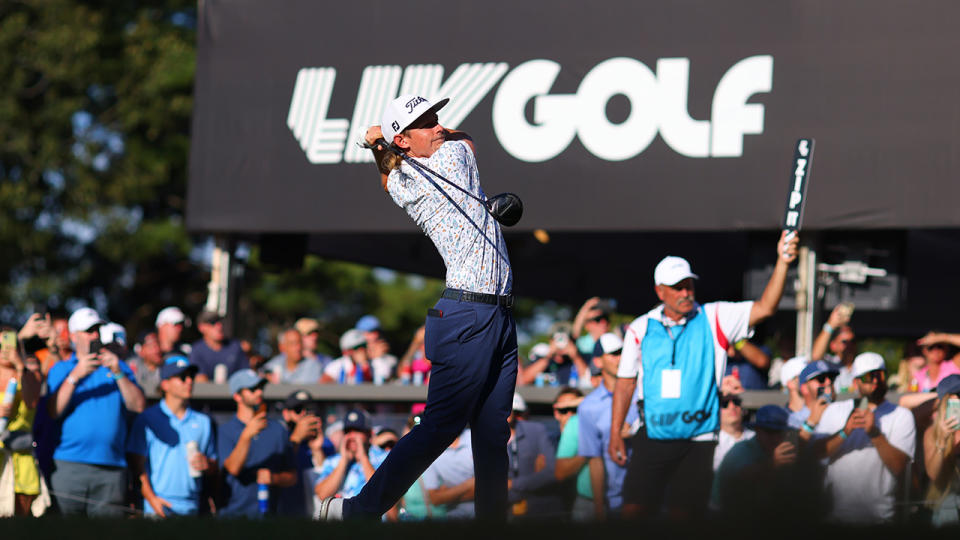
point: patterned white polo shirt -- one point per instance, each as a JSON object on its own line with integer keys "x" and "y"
{"x": 471, "y": 260}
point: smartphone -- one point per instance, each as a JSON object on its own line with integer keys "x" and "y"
{"x": 791, "y": 436}
{"x": 823, "y": 395}
{"x": 846, "y": 310}
{"x": 953, "y": 408}
{"x": 864, "y": 404}
{"x": 95, "y": 346}
{"x": 8, "y": 340}
{"x": 561, "y": 339}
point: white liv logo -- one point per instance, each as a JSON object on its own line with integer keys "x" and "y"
{"x": 658, "y": 104}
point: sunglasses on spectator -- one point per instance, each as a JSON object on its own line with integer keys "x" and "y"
{"x": 598, "y": 318}
{"x": 934, "y": 346}
{"x": 728, "y": 400}
{"x": 186, "y": 375}
{"x": 388, "y": 444}
{"x": 565, "y": 410}
{"x": 870, "y": 377}
{"x": 823, "y": 377}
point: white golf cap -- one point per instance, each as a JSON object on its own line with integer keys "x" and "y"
{"x": 791, "y": 369}
{"x": 539, "y": 350}
{"x": 610, "y": 343}
{"x": 403, "y": 111}
{"x": 113, "y": 333}
{"x": 672, "y": 270}
{"x": 867, "y": 362}
{"x": 351, "y": 339}
{"x": 170, "y": 315}
{"x": 83, "y": 319}
{"x": 519, "y": 404}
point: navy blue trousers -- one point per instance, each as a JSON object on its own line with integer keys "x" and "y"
{"x": 473, "y": 350}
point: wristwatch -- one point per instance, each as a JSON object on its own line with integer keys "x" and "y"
{"x": 72, "y": 380}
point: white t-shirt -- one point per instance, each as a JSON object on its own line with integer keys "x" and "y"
{"x": 725, "y": 443}
{"x": 863, "y": 488}
{"x": 343, "y": 365}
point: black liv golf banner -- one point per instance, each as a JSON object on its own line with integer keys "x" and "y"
{"x": 606, "y": 116}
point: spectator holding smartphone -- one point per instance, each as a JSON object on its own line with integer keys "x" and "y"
{"x": 91, "y": 392}
{"x": 837, "y": 343}
{"x": 18, "y": 411}
{"x": 940, "y": 444}
{"x": 868, "y": 443}
{"x": 254, "y": 449}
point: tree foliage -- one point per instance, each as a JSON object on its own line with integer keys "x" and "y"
{"x": 94, "y": 119}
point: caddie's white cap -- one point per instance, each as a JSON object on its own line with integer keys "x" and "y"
{"x": 610, "y": 343}
{"x": 170, "y": 315}
{"x": 791, "y": 369}
{"x": 867, "y": 362}
{"x": 672, "y": 270}
{"x": 519, "y": 404}
{"x": 403, "y": 111}
{"x": 83, "y": 319}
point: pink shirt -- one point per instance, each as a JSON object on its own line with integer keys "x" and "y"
{"x": 924, "y": 384}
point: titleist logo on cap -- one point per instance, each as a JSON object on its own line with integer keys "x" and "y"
{"x": 414, "y": 102}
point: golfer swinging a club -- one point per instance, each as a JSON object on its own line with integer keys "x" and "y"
{"x": 470, "y": 334}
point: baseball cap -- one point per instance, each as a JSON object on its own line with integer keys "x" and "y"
{"x": 819, "y": 367}
{"x": 175, "y": 365}
{"x": 949, "y": 385}
{"x": 368, "y": 323}
{"x": 610, "y": 343}
{"x": 112, "y": 332}
{"x": 170, "y": 315}
{"x": 356, "y": 419}
{"x": 245, "y": 378}
{"x": 771, "y": 417}
{"x": 208, "y": 317}
{"x": 791, "y": 369}
{"x": 403, "y": 111}
{"x": 672, "y": 270}
{"x": 352, "y": 339}
{"x": 539, "y": 351}
{"x": 568, "y": 401}
{"x": 83, "y": 319}
{"x": 306, "y": 325}
{"x": 867, "y": 362}
{"x": 297, "y": 400}
{"x": 519, "y": 405}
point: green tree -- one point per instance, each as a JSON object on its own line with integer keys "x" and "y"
{"x": 94, "y": 118}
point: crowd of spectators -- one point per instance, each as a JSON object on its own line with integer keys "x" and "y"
{"x": 100, "y": 425}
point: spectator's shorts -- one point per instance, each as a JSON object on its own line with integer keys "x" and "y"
{"x": 678, "y": 473}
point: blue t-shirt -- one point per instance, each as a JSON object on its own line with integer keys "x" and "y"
{"x": 162, "y": 438}
{"x": 93, "y": 427}
{"x": 355, "y": 478}
{"x": 230, "y": 355}
{"x": 270, "y": 449}
{"x": 595, "y": 413}
{"x": 297, "y": 499}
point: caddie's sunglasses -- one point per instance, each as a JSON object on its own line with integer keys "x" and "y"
{"x": 565, "y": 410}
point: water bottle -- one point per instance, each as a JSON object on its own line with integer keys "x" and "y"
{"x": 192, "y": 449}
{"x": 418, "y": 378}
{"x": 343, "y": 375}
{"x": 263, "y": 498}
{"x": 220, "y": 374}
{"x": 572, "y": 381}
